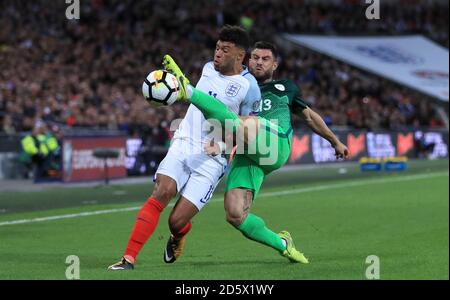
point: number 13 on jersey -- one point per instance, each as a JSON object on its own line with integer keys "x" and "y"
{"x": 265, "y": 104}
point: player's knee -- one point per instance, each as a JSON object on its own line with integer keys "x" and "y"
{"x": 235, "y": 217}
{"x": 234, "y": 208}
{"x": 163, "y": 196}
{"x": 164, "y": 193}
{"x": 237, "y": 206}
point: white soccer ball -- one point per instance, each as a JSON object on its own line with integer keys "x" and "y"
{"x": 160, "y": 88}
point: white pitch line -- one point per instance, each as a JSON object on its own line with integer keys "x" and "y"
{"x": 353, "y": 184}
{"x": 219, "y": 199}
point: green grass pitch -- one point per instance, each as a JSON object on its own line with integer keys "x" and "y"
{"x": 337, "y": 218}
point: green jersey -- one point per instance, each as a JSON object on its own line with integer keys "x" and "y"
{"x": 279, "y": 99}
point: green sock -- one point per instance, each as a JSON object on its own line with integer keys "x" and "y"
{"x": 212, "y": 108}
{"x": 255, "y": 229}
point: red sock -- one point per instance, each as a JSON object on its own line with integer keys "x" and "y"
{"x": 145, "y": 224}
{"x": 183, "y": 231}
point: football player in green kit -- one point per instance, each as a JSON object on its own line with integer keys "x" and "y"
{"x": 263, "y": 142}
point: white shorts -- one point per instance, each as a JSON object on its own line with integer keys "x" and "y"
{"x": 195, "y": 173}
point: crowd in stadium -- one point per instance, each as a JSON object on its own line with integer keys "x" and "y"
{"x": 88, "y": 72}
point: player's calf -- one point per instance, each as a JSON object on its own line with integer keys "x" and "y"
{"x": 181, "y": 216}
{"x": 178, "y": 226}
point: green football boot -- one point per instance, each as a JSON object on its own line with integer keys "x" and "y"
{"x": 171, "y": 66}
{"x": 291, "y": 253}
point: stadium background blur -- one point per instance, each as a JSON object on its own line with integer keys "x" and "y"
{"x": 81, "y": 80}
{"x": 86, "y": 74}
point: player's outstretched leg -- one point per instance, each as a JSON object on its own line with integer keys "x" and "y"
{"x": 210, "y": 107}
{"x": 244, "y": 182}
{"x": 254, "y": 228}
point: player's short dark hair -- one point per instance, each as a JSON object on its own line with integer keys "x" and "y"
{"x": 268, "y": 46}
{"x": 236, "y": 35}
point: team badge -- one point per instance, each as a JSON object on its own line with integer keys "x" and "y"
{"x": 256, "y": 106}
{"x": 280, "y": 87}
{"x": 232, "y": 89}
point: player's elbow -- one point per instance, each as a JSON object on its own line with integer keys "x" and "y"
{"x": 312, "y": 119}
{"x": 310, "y": 123}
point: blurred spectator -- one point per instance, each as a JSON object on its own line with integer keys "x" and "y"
{"x": 423, "y": 149}
{"x": 8, "y": 126}
{"x": 53, "y": 138}
{"x": 41, "y": 152}
{"x": 35, "y": 152}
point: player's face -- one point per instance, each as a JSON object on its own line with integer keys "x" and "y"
{"x": 262, "y": 64}
{"x": 225, "y": 57}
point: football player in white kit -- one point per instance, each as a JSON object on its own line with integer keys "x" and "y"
{"x": 187, "y": 169}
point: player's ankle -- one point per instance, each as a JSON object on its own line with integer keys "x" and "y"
{"x": 129, "y": 259}
{"x": 284, "y": 242}
{"x": 189, "y": 91}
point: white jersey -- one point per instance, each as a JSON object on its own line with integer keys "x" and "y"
{"x": 240, "y": 93}
{"x": 196, "y": 173}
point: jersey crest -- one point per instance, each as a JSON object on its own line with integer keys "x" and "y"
{"x": 280, "y": 87}
{"x": 232, "y": 89}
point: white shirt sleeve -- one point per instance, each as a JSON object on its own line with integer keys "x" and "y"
{"x": 250, "y": 105}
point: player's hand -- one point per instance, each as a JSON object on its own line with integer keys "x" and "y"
{"x": 341, "y": 151}
{"x": 212, "y": 148}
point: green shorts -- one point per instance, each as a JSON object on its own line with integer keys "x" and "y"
{"x": 269, "y": 152}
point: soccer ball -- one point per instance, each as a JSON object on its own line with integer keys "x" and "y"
{"x": 160, "y": 88}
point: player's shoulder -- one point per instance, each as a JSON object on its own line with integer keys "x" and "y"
{"x": 284, "y": 85}
{"x": 208, "y": 67}
{"x": 253, "y": 83}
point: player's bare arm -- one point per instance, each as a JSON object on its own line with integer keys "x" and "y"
{"x": 316, "y": 123}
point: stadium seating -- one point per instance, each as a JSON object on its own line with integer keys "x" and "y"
{"x": 86, "y": 73}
